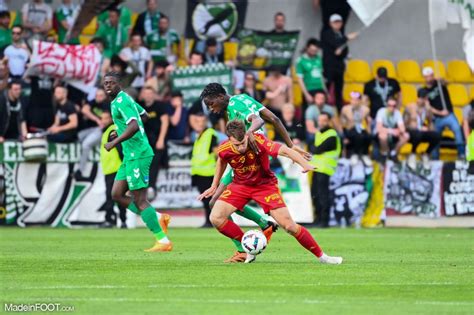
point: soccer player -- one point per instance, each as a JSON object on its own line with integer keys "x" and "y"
{"x": 254, "y": 180}
{"x": 251, "y": 112}
{"x": 133, "y": 174}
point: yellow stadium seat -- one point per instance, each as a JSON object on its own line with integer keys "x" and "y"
{"x": 133, "y": 19}
{"x": 230, "y": 50}
{"x": 12, "y": 18}
{"x": 297, "y": 95}
{"x": 471, "y": 92}
{"x": 438, "y": 68}
{"x": 261, "y": 75}
{"x": 409, "y": 93}
{"x": 409, "y": 71}
{"x": 459, "y": 71}
{"x": 357, "y": 71}
{"x": 458, "y": 94}
{"x": 84, "y": 39}
{"x": 90, "y": 28}
{"x": 458, "y": 113}
{"x": 388, "y": 64}
{"x": 351, "y": 87}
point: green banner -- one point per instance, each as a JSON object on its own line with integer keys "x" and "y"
{"x": 192, "y": 80}
{"x": 259, "y": 50}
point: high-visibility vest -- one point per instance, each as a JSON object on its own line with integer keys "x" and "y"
{"x": 203, "y": 162}
{"x": 109, "y": 160}
{"x": 470, "y": 146}
{"x": 326, "y": 162}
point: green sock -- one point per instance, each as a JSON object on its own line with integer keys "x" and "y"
{"x": 132, "y": 207}
{"x": 250, "y": 213}
{"x": 151, "y": 220}
{"x": 236, "y": 242}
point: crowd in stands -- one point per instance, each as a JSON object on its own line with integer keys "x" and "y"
{"x": 146, "y": 50}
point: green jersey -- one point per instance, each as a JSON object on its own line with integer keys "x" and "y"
{"x": 115, "y": 38}
{"x": 5, "y": 37}
{"x": 161, "y": 45}
{"x": 241, "y": 107}
{"x": 311, "y": 71}
{"x": 125, "y": 17}
{"x": 124, "y": 109}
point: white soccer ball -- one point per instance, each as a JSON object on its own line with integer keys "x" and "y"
{"x": 254, "y": 242}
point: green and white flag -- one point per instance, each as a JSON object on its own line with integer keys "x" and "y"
{"x": 192, "y": 80}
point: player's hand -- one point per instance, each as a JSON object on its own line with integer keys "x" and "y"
{"x": 305, "y": 154}
{"x": 208, "y": 193}
{"x": 109, "y": 145}
{"x": 253, "y": 143}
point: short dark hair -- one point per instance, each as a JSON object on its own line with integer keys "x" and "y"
{"x": 391, "y": 98}
{"x": 4, "y": 14}
{"x": 115, "y": 9}
{"x": 161, "y": 64}
{"x": 325, "y": 114}
{"x": 98, "y": 40}
{"x": 195, "y": 52}
{"x": 13, "y": 81}
{"x": 422, "y": 93}
{"x": 211, "y": 41}
{"x": 113, "y": 74}
{"x": 165, "y": 17}
{"x": 176, "y": 93}
{"x": 319, "y": 91}
{"x": 313, "y": 41}
{"x": 213, "y": 90}
{"x": 18, "y": 26}
{"x": 279, "y": 13}
{"x": 235, "y": 128}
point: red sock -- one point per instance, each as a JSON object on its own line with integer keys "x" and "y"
{"x": 308, "y": 242}
{"x": 231, "y": 230}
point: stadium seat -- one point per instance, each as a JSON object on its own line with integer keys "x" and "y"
{"x": 84, "y": 39}
{"x": 357, "y": 71}
{"x": 133, "y": 19}
{"x": 388, "y": 64}
{"x": 297, "y": 95}
{"x": 439, "y": 69}
{"x": 351, "y": 87}
{"x": 230, "y": 50}
{"x": 409, "y": 71}
{"x": 471, "y": 93}
{"x": 90, "y": 28}
{"x": 12, "y": 18}
{"x": 458, "y": 113}
{"x": 459, "y": 71}
{"x": 409, "y": 93}
{"x": 458, "y": 94}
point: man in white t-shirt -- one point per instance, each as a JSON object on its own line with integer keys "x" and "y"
{"x": 17, "y": 53}
{"x": 390, "y": 129}
{"x": 141, "y": 57}
{"x": 37, "y": 18}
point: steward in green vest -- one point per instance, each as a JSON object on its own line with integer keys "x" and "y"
{"x": 203, "y": 160}
{"x": 110, "y": 163}
{"x": 470, "y": 141}
{"x": 327, "y": 149}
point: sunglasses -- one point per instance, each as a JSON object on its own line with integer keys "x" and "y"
{"x": 16, "y": 33}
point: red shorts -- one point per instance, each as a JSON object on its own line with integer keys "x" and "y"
{"x": 268, "y": 196}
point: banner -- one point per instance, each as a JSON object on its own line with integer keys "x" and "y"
{"x": 259, "y": 50}
{"x": 369, "y": 10}
{"x": 218, "y": 20}
{"x": 458, "y": 189}
{"x": 75, "y": 64}
{"x": 192, "y": 80}
{"x": 409, "y": 191}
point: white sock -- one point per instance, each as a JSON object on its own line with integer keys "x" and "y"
{"x": 164, "y": 240}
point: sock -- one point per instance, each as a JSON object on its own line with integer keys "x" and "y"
{"x": 250, "y": 213}
{"x": 132, "y": 207}
{"x": 307, "y": 241}
{"x": 151, "y": 220}
{"x": 231, "y": 230}
{"x": 237, "y": 243}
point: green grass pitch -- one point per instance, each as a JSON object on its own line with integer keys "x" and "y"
{"x": 385, "y": 271}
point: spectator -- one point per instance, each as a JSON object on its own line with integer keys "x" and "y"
{"x": 335, "y": 51}
{"x": 125, "y": 17}
{"x": 314, "y": 110}
{"x": 292, "y": 125}
{"x": 40, "y": 111}
{"x": 279, "y": 90}
{"x": 470, "y": 139}
{"x": 330, "y": 7}
{"x": 467, "y": 112}
{"x": 4, "y": 74}
{"x": 380, "y": 89}
{"x": 216, "y": 120}
{"x": 309, "y": 69}
{"x": 17, "y": 54}
{"x": 250, "y": 87}
{"x": 156, "y": 129}
{"x": 104, "y": 62}
{"x": 64, "y": 17}
{"x": 203, "y": 160}
{"x": 164, "y": 42}
{"x": 196, "y": 59}
{"x": 390, "y": 130}
{"x": 178, "y": 118}
{"x": 443, "y": 113}
{"x": 91, "y": 134}
{"x": 210, "y": 55}
{"x": 355, "y": 121}
{"x": 419, "y": 123}
{"x": 37, "y": 19}
{"x": 114, "y": 33}
{"x": 5, "y": 31}
{"x": 140, "y": 56}
{"x": 147, "y": 21}
{"x": 64, "y": 128}
{"x": 279, "y": 21}
{"x": 160, "y": 82}
{"x": 12, "y": 106}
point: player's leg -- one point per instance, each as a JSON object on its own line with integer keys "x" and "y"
{"x": 120, "y": 188}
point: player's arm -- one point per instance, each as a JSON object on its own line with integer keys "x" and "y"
{"x": 296, "y": 157}
{"x": 220, "y": 168}
{"x": 143, "y": 113}
{"x": 132, "y": 128}
{"x": 256, "y": 124}
{"x": 270, "y": 117}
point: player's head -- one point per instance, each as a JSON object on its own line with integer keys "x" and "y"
{"x": 215, "y": 97}
{"x": 323, "y": 120}
{"x": 112, "y": 84}
{"x": 235, "y": 130}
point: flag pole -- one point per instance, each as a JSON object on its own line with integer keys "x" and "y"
{"x": 435, "y": 58}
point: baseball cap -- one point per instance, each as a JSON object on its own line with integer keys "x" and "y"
{"x": 382, "y": 72}
{"x": 427, "y": 71}
{"x": 422, "y": 93}
{"x": 335, "y": 18}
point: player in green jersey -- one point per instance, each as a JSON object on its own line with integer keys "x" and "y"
{"x": 133, "y": 174}
{"x": 254, "y": 115}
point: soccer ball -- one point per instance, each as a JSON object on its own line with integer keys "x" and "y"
{"x": 254, "y": 242}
